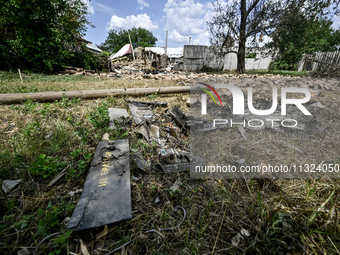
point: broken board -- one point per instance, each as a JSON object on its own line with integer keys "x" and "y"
{"x": 117, "y": 114}
{"x": 106, "y": 197}
{"x": 140, "y": 112}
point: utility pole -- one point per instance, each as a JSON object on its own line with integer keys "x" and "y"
{"x": 189, "y": 39}
{"x": 133, "y": 53}
{"x": 166, "y": 42}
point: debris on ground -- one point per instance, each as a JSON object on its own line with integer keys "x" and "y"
{"x": 77, "y": 71}
{"x": 8, "y": 185}
{"x": 106, "y": 137}
{"x": 163, "y": 104}
{"x": 141, "y": 163}
{"x": 106, "y": 197}
{"x": 176, "y": 185}
{"x": 140, "y": 112}
{"x": 117, "y": 114}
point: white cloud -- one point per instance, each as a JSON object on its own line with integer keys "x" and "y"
{"x": 177, "y": 37}
{"x": 336, "y": 22}
{"x": 104, "y": 8}
{"x": 89, "y": 6}
{"x": 141, "y": 20}
{"x": 186, "y": 18}
{"x": 142, "y": 4}
{"x": 160, "y": 39}
{"x": 202, "y": 39}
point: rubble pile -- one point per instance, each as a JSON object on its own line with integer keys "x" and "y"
{"x": 77, "y": 71}
{"x": 110, "y": 171}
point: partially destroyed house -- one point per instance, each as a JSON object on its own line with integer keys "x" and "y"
{"x": 158, "y": 57}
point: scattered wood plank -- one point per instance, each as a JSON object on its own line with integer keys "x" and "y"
{"x": 20, "y": 76}
{"x": 61, "y": 174}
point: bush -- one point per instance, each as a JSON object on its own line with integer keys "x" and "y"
{"x": 207, "y": 69}
{"x": 251, "y": 55}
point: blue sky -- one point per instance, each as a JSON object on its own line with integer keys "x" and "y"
{"x": 182, "y": 18}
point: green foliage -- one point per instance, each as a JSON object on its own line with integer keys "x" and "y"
{"x": 82, "y": 132}
{"x": 106, "y": 53}
{"x": 117, "y": 39}
{"x": 65, "y": 102}
{"x": 99, "y": 118}
{"x": 153, "y": 96}
{"x": 61, "y": 242}
{"x": 83, "y": 159}
{"x": 46, "y": 166}
{"x": 251, "y": 55}
{"x": 50, "y": 217}
{"x": 41, "y": 32}
{"x": 301, "y": 34}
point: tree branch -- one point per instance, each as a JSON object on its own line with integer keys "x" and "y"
{"x": 252, "y": 6}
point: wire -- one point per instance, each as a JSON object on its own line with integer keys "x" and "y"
{"x": 54, "y": 234}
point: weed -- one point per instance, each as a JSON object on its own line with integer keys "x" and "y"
{"x": 65, "y": 102}
{"x": 81, "y": 132}
{"x": 61, "y": 242}
{"x": 99, "y": 118}
{"x": 46, "y": 166}
{"x": 83, "y": 161}
{"x": 51, "y": 216}
{"x": 153, "y": 96}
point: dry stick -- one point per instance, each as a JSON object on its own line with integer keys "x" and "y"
{"x": 320, "y": 208}
{"x": 333, "y": 244}
{"x": 20, "y": 76}
{"x": 62, "y": 173}
{"x": 219, "y": 230}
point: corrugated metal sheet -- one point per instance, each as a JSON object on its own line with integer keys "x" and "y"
{"x": 93, "y": 47}
{"x": 123, "y": 51}
{"x": 171, "y": 52}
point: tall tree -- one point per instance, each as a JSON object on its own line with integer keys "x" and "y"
{"x": 40, "y": 32}
{"x": 117, "y": 39}
{"x": 301, "y": 33}
{"x": 241, "y": 21}
{"x": 238, "y": 20}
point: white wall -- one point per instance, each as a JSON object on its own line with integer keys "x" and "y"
{"x": 197, "y": 56}
{"x": 230, "y": 62}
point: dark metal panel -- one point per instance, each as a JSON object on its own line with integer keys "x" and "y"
{"x": 106, "y": 196}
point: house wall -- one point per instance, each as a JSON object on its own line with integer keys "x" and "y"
{"x": 197, "y": 56}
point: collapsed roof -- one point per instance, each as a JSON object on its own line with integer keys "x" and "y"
{"x": 93, "y": 47}
{"x": 127, "y": 48}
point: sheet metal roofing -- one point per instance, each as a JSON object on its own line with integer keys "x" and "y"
{"x": 93, "y": 47}
{"x": 123, "y": 51}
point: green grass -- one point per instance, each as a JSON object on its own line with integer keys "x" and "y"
{"x": 10, "y": 83}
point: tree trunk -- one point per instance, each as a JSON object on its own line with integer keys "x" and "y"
{"x": 241, "y": 64}
{"x": 242, "y": 40}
